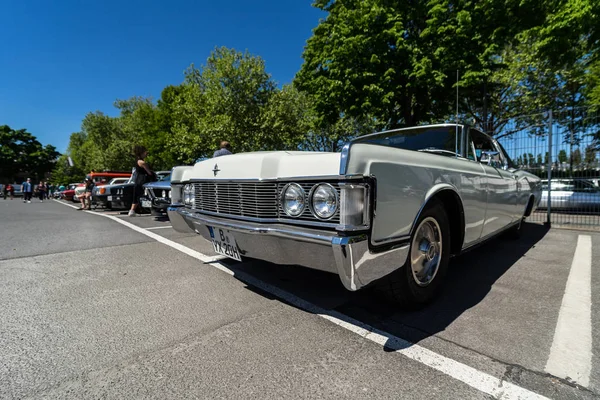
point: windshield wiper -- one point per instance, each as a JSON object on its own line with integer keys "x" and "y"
{"x": 440, "y": 151}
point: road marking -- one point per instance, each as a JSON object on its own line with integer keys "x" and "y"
{"x": 571, "y": 351}
{"x": 159, "y": 227}
{"x": 486, "y": 383}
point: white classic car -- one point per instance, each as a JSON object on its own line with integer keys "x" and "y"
{"x": 391, "y": 208}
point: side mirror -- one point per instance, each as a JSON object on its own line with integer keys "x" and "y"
{"x": 491, "y": 158}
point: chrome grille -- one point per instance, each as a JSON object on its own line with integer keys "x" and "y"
{"x": 251, "y": 199}
{"x": 247, "y": 199}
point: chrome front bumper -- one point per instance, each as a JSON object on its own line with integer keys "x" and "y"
{"x": 347, "y": 256}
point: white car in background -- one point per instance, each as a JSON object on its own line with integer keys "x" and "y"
{"x": 101, "y": 194}
{"x": 580, "y": 195}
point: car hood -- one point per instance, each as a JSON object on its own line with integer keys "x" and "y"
{"x": 164, "y": 185}
{"x": 266, "y": 165}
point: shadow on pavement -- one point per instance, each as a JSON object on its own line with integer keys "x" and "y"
{"x": 470, "y": 278}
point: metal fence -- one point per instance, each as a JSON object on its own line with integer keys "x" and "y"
{"x": 561, "y": 147}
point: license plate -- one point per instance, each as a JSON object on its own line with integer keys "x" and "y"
{"x": 109, "y": 198}
{"x": 224, "y": 243}
{"x": 146, "y": 204}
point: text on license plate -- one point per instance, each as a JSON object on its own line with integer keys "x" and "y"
{"x": 224, "y": 243}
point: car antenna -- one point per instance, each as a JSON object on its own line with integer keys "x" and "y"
{"x": 456, "y": 119}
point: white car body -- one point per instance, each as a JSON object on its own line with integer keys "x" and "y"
{"x": 381, "y": 191}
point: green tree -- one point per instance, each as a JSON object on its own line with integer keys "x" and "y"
{"x": 539, "y": 160}
{"x": 22, "y": 154}
{"x": 576, "y": 157}
{"x": 397, "y": 61}
{"x": 562, "y": 156}
{"x": 228, "y": 99}
{"x": 107, "y": 146}
{"x": 285, "y": 120}
{"x": 590, "y": 160}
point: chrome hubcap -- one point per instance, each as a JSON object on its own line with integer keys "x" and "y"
{"x": 426, "y": 251}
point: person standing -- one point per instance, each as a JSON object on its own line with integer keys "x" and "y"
{"x": 11, "y": 190}
{"x": 42, "y": 191}
{"x": 224, "y": 149}
{"x": 143, "y": 174}
{"x": 27, "y": 191}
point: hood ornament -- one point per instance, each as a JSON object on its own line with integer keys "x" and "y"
{"x": 216, "y": 169}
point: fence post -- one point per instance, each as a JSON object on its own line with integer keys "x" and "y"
{"x": 549, "y": 167}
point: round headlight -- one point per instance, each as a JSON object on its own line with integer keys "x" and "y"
{"x": 102, "y": 190}
{"x": 324, "y": 201}
{"x": 187, "y": 194}
{"x": 164, "y": 194}
{"x": 146, "y": 192}
{"x": 293, "y": 200}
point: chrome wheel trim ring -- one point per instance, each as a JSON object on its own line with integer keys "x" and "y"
{"x": 426, "y": 252}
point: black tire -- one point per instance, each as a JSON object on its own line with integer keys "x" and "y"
{"x": 401, "y": 287}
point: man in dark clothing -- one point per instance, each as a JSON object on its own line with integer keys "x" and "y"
{"x": 27, "y": 191}
{"x": 225, "y": 149}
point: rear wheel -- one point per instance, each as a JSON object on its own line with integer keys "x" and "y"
{"x": 420, "y": 279}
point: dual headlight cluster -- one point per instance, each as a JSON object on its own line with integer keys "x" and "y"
{"x": 166, "y": 194}
{"x": 189, "y": 198}
{"x": 322, "y": 200}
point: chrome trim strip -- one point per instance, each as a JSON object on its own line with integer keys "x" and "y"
{"x": 279, "y": 180}
{"x": 489, "y": 236}
{"x": 285, "y": 220}
{"x": 396, "y": 239}
{"x": 345, "y": 158}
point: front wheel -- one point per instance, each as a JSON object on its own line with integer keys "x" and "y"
{"x": 421, "y": 278}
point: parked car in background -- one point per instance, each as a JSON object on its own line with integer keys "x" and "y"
{"x": 101, "y": 194}
{"x": 101, "y": 179}
{"x": 18, "y": 190}
{"x": 571, "y": 194}
{"x": 389, "y": 210}
{"x": 157, "y": 196}
{"x": 69, "y": 193}
{"x": 122, "y": 195}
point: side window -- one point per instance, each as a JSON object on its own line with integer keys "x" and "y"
{"x": 583, "y": 186}
{"x": 481, "y": 143}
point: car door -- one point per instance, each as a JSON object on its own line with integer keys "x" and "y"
{"x": 502, "y": 184}
{"x": 586, "y": 196}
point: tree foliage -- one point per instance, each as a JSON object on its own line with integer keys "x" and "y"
{"x": 21, "y": 154}
{"x": 396, "y": 62}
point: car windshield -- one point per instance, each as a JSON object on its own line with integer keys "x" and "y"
{"x": 439, "y": 140}
{"x": 164, "y": 178}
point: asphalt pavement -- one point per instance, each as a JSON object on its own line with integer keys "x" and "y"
{"x": 99, "y": 305}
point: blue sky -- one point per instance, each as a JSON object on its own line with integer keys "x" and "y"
{"x": 62, "y": 59}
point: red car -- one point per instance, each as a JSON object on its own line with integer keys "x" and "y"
{"x": 69, "y": 192}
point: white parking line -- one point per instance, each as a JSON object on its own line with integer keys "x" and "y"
{"x": 486, "y": 383}
{"x": 159, "y": 227}
{"x": 571, "y": 352}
